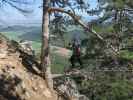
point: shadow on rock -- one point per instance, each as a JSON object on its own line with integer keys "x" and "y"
{"x": 7, "y": 87}
{"x": 30, "y": 63}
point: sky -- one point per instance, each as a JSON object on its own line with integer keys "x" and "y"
{"x": 11, "y": 16}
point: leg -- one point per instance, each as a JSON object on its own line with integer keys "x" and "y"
{"x": 72, "y": 61}
{"x": 80, "y": 61}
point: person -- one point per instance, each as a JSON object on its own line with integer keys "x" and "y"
{"x": 76, "y": 53}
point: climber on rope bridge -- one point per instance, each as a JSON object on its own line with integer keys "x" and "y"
{"x": 76, "y": 53}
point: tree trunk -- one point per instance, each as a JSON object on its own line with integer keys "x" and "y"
{"x": 45, "y": 55}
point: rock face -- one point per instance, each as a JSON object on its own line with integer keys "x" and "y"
{"x": 17, "y": 81}
{"x": 3, "y": 53}
{"x": 68, "y": 89}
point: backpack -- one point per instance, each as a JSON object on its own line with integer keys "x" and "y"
{"x": 77, "y": 50}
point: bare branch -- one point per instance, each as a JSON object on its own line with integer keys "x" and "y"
{"x": 77, "y": 19}
{"x": 14, "y": 4}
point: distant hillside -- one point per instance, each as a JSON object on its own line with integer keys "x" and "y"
{"x": 18, "y": 32}
{"x": 17, "y": 28}
{"x": 33, "y": 33}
